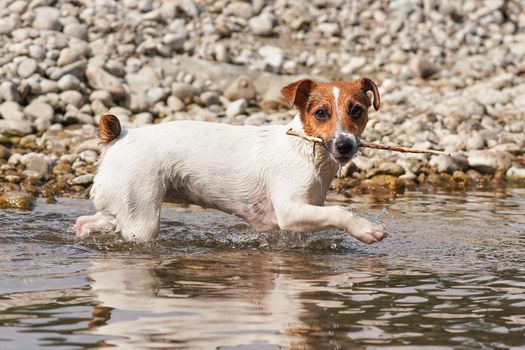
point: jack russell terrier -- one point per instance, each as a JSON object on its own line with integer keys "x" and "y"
{"x": 259, "y": 173}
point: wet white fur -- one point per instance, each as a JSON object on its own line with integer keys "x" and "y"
{"x": 270, "y": 179}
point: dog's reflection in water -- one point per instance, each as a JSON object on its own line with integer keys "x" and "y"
{"x": 145, "y": 303}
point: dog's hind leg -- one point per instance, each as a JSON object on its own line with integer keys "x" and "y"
{"x": 135, "y": 207}
{"x": 141, "y": 222}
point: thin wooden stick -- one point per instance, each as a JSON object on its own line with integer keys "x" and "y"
{"x": 304, "y": 136}
{"x": 394, "y": 148}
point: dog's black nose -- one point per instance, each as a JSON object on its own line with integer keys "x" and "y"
{"x": 344, "y": 146}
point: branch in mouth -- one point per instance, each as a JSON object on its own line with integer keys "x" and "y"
{"x": 394, "y": 148}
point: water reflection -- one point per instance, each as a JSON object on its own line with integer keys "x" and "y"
{"x": 450, "y": 276}
{"x": 262, "y": 300}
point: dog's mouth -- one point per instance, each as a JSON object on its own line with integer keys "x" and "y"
{"x": 341, "y": 158}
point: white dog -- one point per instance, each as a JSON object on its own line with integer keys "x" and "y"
{"x": 261, "y": 174}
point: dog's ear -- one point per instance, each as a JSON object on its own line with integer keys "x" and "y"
{"x": 296, "y": 94}
{"x": 369, "y": 85}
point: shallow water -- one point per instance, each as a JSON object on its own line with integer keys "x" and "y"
{"x": 451, "y": 275}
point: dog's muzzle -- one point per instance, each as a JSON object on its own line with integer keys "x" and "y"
{"x": 344, "y": 148}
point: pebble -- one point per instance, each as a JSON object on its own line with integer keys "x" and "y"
{"x": 39, "y": 110}
{"x": 26, "y": 67}
{"x": 7, "y": 25}
{"x": 236, "y": 107}
{"x": 239, "y": 9}
{"x": 68, "y": 56}
{"x": 353, "y": 65}
{"x": 182, "y": 91}
{"x": 4, "y": 152}
{"x": 83, "y": 180}
{"x": 516, "y": 173}
{"x": 175, "y": 40}
{"x": 77, "y": 68}
{"x": 156, "y": 94}
{"x": 261, "y": 25}
{"x": 446, "y": 164}
{"x": 175, "y": 104}
{"x": 72, "y": 97}
{"x": 209, "y": 98}
{"x": 386, "y": 168}
{"x": 100, "y": 79}
{"x": 242, "y": 87}
{"x": 15, "y": 127}
{"x": 8, "y": 91}
{"x": 273, "y": 57}
{"x": 143, "y": 118}
{"x": 47, "y": 18}
{"x": 490, "y": 161}
{"x": 101, "y": 95}
{"x": 17, "y": 200}
{"x": 37, "y": 162}
{"x": 76, "y": 30}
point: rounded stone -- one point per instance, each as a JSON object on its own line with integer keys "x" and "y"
{"x": 7, "y": 25}
{"x": 242, "y": 87}
{"x": 209, "y": 98}
{"x": 490, "y": 161}
{"x": 182, "y": 91}
{"x": 69, "y": 82}
{"x": 47, "y": 18}
{"x": 26, "y": 67}
{"x": 261, "y": 25}
{"x": 4, "y": 152}
{"x": 236, "y": 107}
{"x": 17, "y": 200}
{"x": 39, "y": 110}
{"x": 77, "y": 30}
{"x": 72, "y": 97}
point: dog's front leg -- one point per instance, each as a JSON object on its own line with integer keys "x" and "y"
{"x": 307, "y": 217}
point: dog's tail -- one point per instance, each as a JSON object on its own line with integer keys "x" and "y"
{"x": 109, "y": 129}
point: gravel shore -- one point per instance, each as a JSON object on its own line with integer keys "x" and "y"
{"x": 451, "y": 76}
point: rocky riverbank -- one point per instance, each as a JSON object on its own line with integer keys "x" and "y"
{"x": 451, "y": 75}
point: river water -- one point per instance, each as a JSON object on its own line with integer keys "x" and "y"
{"x": 451, "y": 275}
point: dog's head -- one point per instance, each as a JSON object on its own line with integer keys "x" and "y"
{"x": 336, "y": 112}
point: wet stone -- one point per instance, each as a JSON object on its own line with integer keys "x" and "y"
{"x": 387, "y": 168}
{"x": 17, "y": 200}
{"x": 516, "y": 173}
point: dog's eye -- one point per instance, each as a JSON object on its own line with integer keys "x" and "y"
{"x": 355, "y": 112}
{"x": 321, "y": 115}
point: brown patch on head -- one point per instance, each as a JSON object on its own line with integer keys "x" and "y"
{"x": 326, "y": 106}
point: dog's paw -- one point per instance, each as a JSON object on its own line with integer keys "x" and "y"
{"x": 87, "y": 225}
{"x": 366, "y": 231}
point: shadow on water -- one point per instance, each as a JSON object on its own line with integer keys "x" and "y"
{"x": 451, "y": 275}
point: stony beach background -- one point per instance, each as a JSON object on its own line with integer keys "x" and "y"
{"x": 451, "y": 76}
